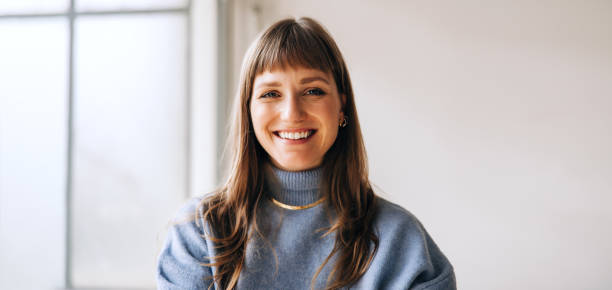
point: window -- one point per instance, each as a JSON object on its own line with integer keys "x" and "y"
{"x": 103, "y": 135}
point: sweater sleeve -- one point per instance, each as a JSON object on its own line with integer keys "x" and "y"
{"x": 179, "y": 264}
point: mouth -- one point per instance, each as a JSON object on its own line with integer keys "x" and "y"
{"x": 295, "y": 135}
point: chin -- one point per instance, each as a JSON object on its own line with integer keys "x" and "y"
{"x": 298, "y": 166}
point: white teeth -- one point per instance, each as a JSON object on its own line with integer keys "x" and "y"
{"x": 294, "y": 135}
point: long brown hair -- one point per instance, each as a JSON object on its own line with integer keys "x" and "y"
{"x": 231, "y": 211}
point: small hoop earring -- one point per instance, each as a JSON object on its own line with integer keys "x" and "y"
{"x": 343, "y": 122}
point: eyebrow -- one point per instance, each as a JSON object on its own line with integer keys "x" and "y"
{"x": 312, "y": 79}
{"x": 302, "y": 81}
{"x": 268, "y": 84}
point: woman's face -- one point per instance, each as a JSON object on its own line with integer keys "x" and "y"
{"x": 295, "y": 114}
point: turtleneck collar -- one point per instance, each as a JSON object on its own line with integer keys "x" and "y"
{"x": 294, "y": 187}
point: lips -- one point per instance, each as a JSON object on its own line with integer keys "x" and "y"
{"x": 295, "y": 134}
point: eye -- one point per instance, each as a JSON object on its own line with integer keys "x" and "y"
{"x": 270, "y": 94}
{"x": 315, "y": 91}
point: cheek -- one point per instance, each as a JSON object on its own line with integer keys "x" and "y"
{"x": 331, "y": 119}
{"x": 255, "y": 116}
{"x": 259, "y": 121}
{"x": 332, "y": 131}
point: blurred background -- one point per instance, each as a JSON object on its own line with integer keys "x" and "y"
{"x": 491, "y": 121}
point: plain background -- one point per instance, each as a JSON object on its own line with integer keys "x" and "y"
{"x": 491, "y": 121}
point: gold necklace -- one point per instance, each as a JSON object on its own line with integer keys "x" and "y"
{"x": 296, "y": 207}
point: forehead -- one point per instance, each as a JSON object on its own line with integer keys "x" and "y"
{"x": 290, "y": 73}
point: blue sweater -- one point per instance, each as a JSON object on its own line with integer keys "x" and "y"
{"x": 407, "y": 257}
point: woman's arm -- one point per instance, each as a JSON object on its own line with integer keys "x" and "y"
{"x": 179, "y": 264}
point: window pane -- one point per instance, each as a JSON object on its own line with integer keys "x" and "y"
{"x": 33, "y": 142}
{"x": 130, "y": 145}
{"x": 33, "y": 6}
{"x": 93, "y": 5}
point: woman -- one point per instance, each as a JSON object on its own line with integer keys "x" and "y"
{"x": 298, "y": 211}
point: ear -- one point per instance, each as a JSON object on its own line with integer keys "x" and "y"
{"x": 343, "y": 100}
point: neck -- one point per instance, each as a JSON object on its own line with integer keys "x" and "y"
{"x": 294, "y": 188}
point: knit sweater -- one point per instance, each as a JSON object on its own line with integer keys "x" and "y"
{"x": 294, "y": 246}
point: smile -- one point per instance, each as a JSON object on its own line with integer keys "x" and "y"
{"x": 294, "y": 135}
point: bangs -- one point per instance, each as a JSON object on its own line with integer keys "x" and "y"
{"x": 292, "y": 45}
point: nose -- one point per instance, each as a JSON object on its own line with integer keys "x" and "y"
{"x": 293, "y": 109}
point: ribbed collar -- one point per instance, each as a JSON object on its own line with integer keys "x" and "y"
{"x": 294, "y": 187}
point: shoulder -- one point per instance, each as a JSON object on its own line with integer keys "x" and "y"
{"x": 398, "y": 228}
{"x": 407, "y": 255}
{"x": 181, "y": 261}
{"x": 394, "y": 217}
{"x": 186, "y": 226}
{"x": 189, "y": 216}
{"x": 188, "y": 209}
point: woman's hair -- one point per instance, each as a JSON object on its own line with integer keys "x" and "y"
{"x": 232, "y": 210}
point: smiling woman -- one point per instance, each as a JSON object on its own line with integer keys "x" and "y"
{"x": 295, "y": 114}
{"x": 297, "y": 210}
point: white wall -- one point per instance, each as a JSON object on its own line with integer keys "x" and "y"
{"x": 490, "y": 121}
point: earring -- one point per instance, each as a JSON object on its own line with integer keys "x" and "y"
{"x": 343, "y": 122}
